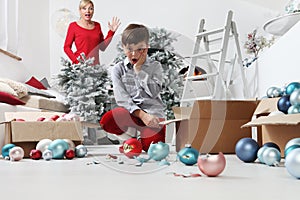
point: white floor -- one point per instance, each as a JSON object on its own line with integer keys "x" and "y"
{"x": 96, "y": 177}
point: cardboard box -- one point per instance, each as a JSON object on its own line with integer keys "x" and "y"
{"x": 276, "y": 128}
{"x": 28, "y": 133}
{"x": 213, "y": 126}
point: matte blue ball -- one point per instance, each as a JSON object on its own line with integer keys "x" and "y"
{"x": 188, "y": 156}
{"x": 290, "y": 148}
{"x": 6, "y": 148}
{"x": 283, "y": 104}
{"x": 246, "y": 149}
{"x": 291, "y": 87}
{"x": 58, "y": 148}
{"x": 292, "y": 163}
{"x": 272, "y": 144}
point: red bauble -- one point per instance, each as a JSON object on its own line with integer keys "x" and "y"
{"x": 54, "y": 117}
{"x": 132, "y": 147}
{"x": 70, "y": 154}
{"x": 41, "y": 119}
{"x": 35, "y": 154}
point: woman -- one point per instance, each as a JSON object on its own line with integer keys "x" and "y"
{"x": 87, "y": 34}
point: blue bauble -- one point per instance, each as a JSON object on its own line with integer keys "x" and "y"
{"x": 292, "y": 163}
{"x": 291, "y": 87}
{"x": 294, "y": 109}
{"x": 58, "y": 148}
{"x": 271, "y": 156}
{"x": 246, "y": 149}
{"x": 158, "y": 151}
{"x": 6, "y": 148}
{"x": 272, "y": 144}
{"x": 283, "y": 104}
{"x": 188, "y": 155}
{"x": 291, "y": 148}
{"x": 295, "y": 98}
{"x": 260, "y": 154}
{"x": 80, "y": 151}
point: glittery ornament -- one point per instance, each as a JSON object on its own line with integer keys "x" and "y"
{"x": 58, "y": 148}
{"x": 35, "y": 154}
{"x": 292, "y": 163}
{"x": 80, "y": 151}
{"x": 43, "y": 144}
{"x": 158, "y": 151}
{"x": 47, "y": 155}
{"x": 188, "y": 155}
{"x": 6, "y": 148}
{"x": 16, "y": 153}
{"x": 212, "y": 165}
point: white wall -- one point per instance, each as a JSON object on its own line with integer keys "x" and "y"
{"x": 41, "y": 47}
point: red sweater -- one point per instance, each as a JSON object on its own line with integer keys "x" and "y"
{"x": 86, "y": 41}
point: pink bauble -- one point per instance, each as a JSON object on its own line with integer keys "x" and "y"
{"x": 212, "y": 165}
{"x": 16, "y": 153}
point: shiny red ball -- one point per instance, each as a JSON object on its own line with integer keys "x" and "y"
{"x": 132, "y": 147}
{"x": 70, "y": 154}
{"x": 35, "y": 154}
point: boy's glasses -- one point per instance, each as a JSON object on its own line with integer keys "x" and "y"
{"x": 139, "y": 50}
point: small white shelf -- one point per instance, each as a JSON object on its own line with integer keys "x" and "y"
{"x": 280, "y": 25}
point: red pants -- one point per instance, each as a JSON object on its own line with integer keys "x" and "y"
{"x": 117, "y": 121}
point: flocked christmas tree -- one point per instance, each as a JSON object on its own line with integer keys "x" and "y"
{"x": 162, "y": 50}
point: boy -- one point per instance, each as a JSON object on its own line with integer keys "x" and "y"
{"x": 137, "y": 83}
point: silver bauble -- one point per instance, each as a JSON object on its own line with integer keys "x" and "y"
{"x": 47, "y": 155}
{"x": 295, "y": 97}
{"x": 80, "y": 151}
{"x": 292, "y": 142}
{"x": 292, "y": 163}
{"x": 260, "y": 154}
{"x": 294, "y": 109}
{"x": 43, "y": 144}
{"x": 271, "y": 156}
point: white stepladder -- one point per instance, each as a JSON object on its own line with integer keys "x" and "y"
{"x": 216, "y": 82}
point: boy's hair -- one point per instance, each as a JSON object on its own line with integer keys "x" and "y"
{"x": 135, "y": 33}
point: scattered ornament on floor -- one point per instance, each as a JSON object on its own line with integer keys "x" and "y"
{"x": 43, "y": 144}
{"x": 212, "y": 165}
{"x": 47, "y": 155}
{"x": 35, "y": 154}
{"x": 131, "y": 148}
{"x": 291, "y": 145}
{"x": 260, "y": 154}
{"x": 16, "y": 153}
{"x": 246, "y": 149}
{"x": 272, "y": 144}
{"x": 188, "y": 155}
{"x": 70, "y": 154}
{"x": 80, "y": 151}
{"x": 292, "y": 163}
{"x": 6, "y": 148}
{"x": 58, "y": 148}
{"x": 271, "y": 156}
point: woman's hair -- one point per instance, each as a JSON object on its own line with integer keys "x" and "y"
{"x": 135, "y": 33}
{"x": 83, "y": 3}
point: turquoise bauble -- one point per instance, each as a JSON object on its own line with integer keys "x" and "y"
{"x": 158, "y": 151}
{"x": 188, "y": 155}
{"x": 291, "y": 148}
{"x": 291, "y": 87}
{"x": 6, "y": 148}
{"x": 295, "y": 142}
{"x": 58, "y": 148}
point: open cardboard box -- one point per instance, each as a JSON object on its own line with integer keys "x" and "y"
{"x": 212, "y": 126}
{"x": 276, "y": 128}
{"x": 28, "y": 133}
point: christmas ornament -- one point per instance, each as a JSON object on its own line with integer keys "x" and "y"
{"x": 35, "y": 154}
{"x": 276, "y": 112}
{"x": 47, "y": 155}
{"x": 188, "y": 155}
{"x": 260, "y": 154}
{"x": 16, "y": 153}
{"x": 58, "y": 148}
{"x": 40, "y": 119}
{"x": 272, "y": 144}
{"x": 295, "y": 98}
{"x": 70, "y": 143}
{"x": 273, "y": 92}
{"x": 291, "y": 148}
{"x": 246, "y": 149}
{"x": 294, "y": 109}
{"x": 80, "y": 151}
{"x": 6, "y": 148}
{"x": 54, "y": 117}
{"x": 43, "y": 144}
{"x": 294, "y": 141}
{"x": 212, "y": 165}
{"x": 132, "y": 147}
{"x": 283, "y": 104}
{"x": 292, "y": 163}
{"x": 291, "y": 87}
{"x": 271, "y": 156}
{"x": 70, "y": 154}
{"x": 158, "y": 151}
